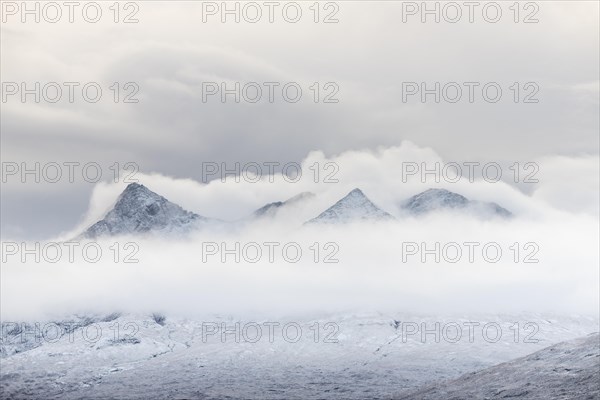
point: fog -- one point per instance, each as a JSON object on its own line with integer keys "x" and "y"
{"x": 378, "y": 267}
{"x": 564, "y": 184}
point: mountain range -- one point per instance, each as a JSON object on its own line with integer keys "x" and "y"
{"x": 138, "y": 210}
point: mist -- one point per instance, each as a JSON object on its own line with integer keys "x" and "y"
{"x": 547, "y": 262}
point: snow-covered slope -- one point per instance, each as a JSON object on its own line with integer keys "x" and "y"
{"x": 355, "y": 206}
{"x": 568, "y": 370}
{"x": 442, "y": 199}
{"x": 271, "y": 209}
{"x": 337, "y": 356}
{"x": 139, "y": 210}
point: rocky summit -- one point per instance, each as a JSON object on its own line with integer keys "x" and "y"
{"x": 139, "y": 210}
{"x": 355, "y": 206}
{"x": 442, "y": 199}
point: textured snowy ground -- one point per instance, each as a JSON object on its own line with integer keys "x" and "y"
{"x": 354, "y": 356}
{"x": 568, "y": 370}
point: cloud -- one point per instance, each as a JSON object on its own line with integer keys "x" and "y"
{"x": 387, "y": 176}
{"x": 365, "y": 140}
{"x": 570, "y": 183}
{"x": 171, "y": 131}
{"x": 173, "y": 277}
{"x": 190, "y": 278}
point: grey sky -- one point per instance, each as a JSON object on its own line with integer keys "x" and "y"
{"x": 367, "y": 54}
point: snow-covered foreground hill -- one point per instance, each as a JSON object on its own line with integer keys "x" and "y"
{"x": 568, "y": 370}
{"x": 350, "y": 356}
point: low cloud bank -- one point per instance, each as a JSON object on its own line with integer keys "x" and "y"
{"x": 543, "y": 260}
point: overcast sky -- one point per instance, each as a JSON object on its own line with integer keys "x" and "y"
{"x": 368, "y": 55}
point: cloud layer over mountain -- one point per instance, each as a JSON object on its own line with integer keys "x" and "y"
{"x": 375, "y": 269}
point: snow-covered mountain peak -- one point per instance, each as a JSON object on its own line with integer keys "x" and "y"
{"x": 356, "y": 193}
{"x": 136, "y": 194}
{"x": 269, "y": 210}
{"x": 140, "y": 210}
{"x": 442, "y": 199}
{"x": 432, "y": 199}
{"x": 355, "y": 206}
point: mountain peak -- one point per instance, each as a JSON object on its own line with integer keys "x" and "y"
{"x": 356, "y": 192}
{"x": 139, "y": 193}
{"x": 140, "y": 210}
{"x": 433, "y": 199}
{"x": 355, "y": 206}
{"x": 270, "y": 209}
{"x": 436, "y": 199}
{"x": 132, "y": 187}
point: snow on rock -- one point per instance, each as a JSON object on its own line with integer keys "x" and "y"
{"x": 139, "y": 210}
{"x": 568, "y": 370}
{"x": 355, "y": 206}
{"x": 271, "y": 209}
{"x": 442, "y": 199}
